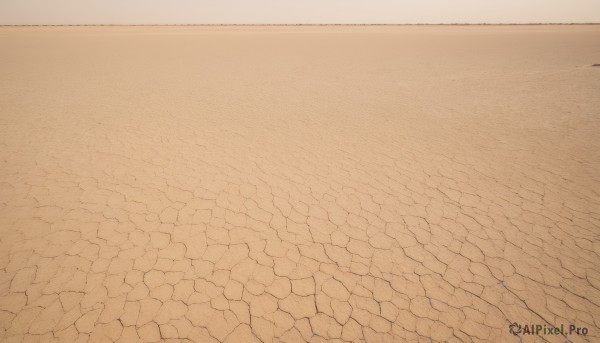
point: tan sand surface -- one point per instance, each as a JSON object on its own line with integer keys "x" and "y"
{"x": 290, "y": 184}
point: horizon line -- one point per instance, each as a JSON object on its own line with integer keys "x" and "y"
{"x": 322, "y": 24}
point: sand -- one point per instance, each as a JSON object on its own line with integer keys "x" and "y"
{"x": 241, "y": 184}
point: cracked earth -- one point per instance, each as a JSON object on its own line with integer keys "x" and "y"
{"x": 280, "y": 184}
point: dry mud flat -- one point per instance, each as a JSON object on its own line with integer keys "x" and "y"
{"x": 289, "y": 184}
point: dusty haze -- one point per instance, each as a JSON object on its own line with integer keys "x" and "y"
{"x": 294, "y": 11}
{"x": 237, "y": 184}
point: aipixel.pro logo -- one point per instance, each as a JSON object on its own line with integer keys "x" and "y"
{"x": 543, "y": 329}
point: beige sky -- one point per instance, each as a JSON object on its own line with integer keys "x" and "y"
{"x": 295, "y": 11}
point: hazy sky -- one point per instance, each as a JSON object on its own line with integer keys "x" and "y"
{"x": 295, "y": 11}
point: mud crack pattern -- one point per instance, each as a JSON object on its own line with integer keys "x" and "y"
{"x": 298, "y": 184}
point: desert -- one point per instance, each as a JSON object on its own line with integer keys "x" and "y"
{"x": 299, "y": 183}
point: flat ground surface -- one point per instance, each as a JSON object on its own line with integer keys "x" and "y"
{"x": 291, "y": 184}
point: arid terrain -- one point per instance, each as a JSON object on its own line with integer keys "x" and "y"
{"x": 290, "y": 184}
